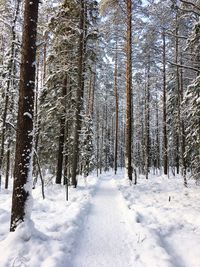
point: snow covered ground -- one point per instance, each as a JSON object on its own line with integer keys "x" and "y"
{"x": 47, "y": 242}
{"x": 107, "y": 224}
{"x": 170, "y": 215}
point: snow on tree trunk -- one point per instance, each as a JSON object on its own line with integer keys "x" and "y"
{"x": 24, "y": 144}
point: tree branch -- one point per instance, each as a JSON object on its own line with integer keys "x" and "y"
{"x": 183, "y": 66}
{"x": 174, "y": 35}
{"x": 40, "y": 173}
{"x": 190, "y": 3}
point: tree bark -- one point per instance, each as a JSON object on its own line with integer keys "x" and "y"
{"x": 79, "y": 95}
{"x": 128, "y": 160}
{"x": 10, "y": 72}
{"x": 157, "y": 135}
{"x": 147, "y": 122}
{"x": 116, "y": 108}
{"x": 178, "y": 132}
{"x": 24, "y": 143}
{"x": 165, "y": 142}
{"x": 182, "y": 126}
{"x": 7, "y": 165}
{"x": 62, "y": 134}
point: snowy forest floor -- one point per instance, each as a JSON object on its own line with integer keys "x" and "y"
{"x": 107, "y": 223}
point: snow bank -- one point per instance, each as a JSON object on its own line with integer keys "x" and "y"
{"x": 48, "y": 241}
{"x": 166, "y": 219}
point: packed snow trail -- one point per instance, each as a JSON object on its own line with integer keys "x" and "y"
{"x": 106, "y": 239}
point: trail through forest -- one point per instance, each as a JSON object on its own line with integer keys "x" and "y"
{"x": 106, "y": 239}
{"x": 127, "y": 227}
{"x": 107, "y": 223}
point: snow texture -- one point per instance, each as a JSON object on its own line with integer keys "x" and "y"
{"x": 46, "y": 242}
{"x": 107, "y": 224}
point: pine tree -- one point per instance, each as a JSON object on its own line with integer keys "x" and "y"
{"x": 129, "y": 168}
{"x": 24, "y": 143}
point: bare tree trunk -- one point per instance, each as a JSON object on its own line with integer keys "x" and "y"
{"x": 157, "y": 136}
{"x": 147, "y": 122}
{"x": 92, "y": 96}
{"x": 116, "y": 107}
{"x": 24, "y": 143}
{"x": 98, "y": 142}
{"x": 36, "y": 121}
{"x": 165, "y": 142}
{"x": 128, "y": 159}
{"x": 7, "y": 165}
{"x": 89, "y": 95}
{"x": 101, "y": 150}
{"x": 10, "y": 72}
{"x": 106, "y": 137}
{"x": 62, "y": 134}
{"x": 68, "y": 123}
{"x": 182, "y": 126}
{"x": 79, "y": 94}
{"x": 45, "y": 56}
{"x": 178, "y": 132}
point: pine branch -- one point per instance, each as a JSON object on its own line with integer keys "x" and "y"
{"x": 174, "y": 35}
{"x": 183, "y": 66}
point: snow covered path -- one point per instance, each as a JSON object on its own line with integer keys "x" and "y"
{"x": 106, "y": 239}
{"x": 107, "y": 223}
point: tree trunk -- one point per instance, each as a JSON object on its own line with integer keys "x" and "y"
{"x": 24, "y": 143}
{"x": 36, "y": 122}
{"x": 182, "y": 126}
{"x": 165, "y": 142}
{"x": 62, "y": 134}
{"x": 7, "y": 165}
{"x": 116, "y": 108}
{"x": 79, "y": 94}
{"x": 157, "y": 135}
{"x": 128, "y": 160}
{"x": 147, "y": 122}
{"x": 10, "y": 72}
{"x": 178, "y": 132}
{"x": 97, "y": 142}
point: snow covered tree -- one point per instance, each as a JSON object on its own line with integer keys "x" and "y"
{"x": 9, "y": 72}
{"x": 192, "y": 109}
{"x": 24, "y": 144}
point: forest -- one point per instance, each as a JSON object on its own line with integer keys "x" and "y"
{"x": 99, "y": 96}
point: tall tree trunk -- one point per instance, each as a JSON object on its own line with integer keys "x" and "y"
{"x": 128, "y": 160}
{"x": 62, "y": 134}
{"x": 7, "y": 164}
{"x": 147, "y": 121}
{"x": 157, "y": 135}
{"x": 116, "y": 107}
{"x": 24, "y": 143}
{"x": 106, "y": 136}
{"x": 97, "y": 142}
{"x": 102, "y": 146}
{"x": 45, "y": 56}
{"x": 92, "y": 96}
{"x": 89, "y": 96}
{"x": 79, "y": 94}
{"x": 68, "y": 130}
{"x": 182, "y": 126}
{"x": 90, "y": 105}
{"x": 10, "y": 72}
{"x": 36, "y": 121}
{"x": 165, "y": 142}
{"x": 178, "y": 132}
